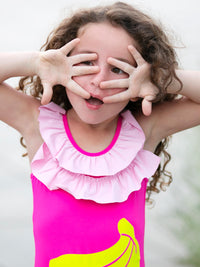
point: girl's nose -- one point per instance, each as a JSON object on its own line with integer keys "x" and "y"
{"x": 99, "y": 77}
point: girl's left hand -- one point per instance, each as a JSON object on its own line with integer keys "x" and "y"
{"x": 138, "y": 84}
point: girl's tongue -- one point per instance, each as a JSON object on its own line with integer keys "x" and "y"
{"x": 94, "y": 101}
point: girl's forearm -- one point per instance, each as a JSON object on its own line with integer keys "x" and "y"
{"x": 191, "y": 85}
{"x": 14, "y": 64}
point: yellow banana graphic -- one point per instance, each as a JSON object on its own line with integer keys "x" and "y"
{"x": 124, "y": 253}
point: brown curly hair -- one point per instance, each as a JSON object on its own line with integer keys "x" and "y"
{"x": 154, "y": 47}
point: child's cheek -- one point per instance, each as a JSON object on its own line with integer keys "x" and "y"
{"x": 114, "y": 91}
{"x": 83, "y": 81}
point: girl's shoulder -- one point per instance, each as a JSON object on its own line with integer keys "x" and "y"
{"x": 167, "y": 118}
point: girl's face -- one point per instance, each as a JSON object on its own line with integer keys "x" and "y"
{"x": 106, "y": 41}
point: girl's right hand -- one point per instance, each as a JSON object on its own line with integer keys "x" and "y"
{"x": 55, "y": 67}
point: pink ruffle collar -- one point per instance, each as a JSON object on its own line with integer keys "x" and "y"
{"x": 105, "y": 177}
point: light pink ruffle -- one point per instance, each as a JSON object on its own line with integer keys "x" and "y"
{"x": 106, "y": 178}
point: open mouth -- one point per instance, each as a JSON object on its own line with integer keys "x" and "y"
{"x": 94, "y": 101}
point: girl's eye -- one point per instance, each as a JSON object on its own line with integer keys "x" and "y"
{"x": 117, "y": 70}
{"x": 88, "y": 63}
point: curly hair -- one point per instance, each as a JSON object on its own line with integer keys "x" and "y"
{"x": 154, "y": 47}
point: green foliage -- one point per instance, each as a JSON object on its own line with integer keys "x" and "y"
{"x": 188, "y": 233}
{"x": 186, "y": 215}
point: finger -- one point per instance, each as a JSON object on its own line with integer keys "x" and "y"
{"x": 69, "y": 46}
{"x": 84, "y": 70}
{"x": 123, "y": 96}
{"x": 82, "y": 58}
{"x": 146, "y": 107}
{"x": 77, "y": 89}
{"x": 127, "y": 68}
{"x": 47, "y": 93}
{"x": 121, "y": 83}
{"x": 136, "y": 55}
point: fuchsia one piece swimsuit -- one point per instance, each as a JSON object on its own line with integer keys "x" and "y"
{"x": 89, "y": 208}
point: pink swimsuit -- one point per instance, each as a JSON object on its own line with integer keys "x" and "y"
{"x": 89, "y": 208}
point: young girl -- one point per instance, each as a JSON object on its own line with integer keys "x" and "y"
{"x": 99, "y": 107}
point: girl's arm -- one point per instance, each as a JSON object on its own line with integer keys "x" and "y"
{"x": 16, "y": 64}
{"x": 171, "y": 117}
{"x": 191, "y": 85}
{"x": 17, "y": 109}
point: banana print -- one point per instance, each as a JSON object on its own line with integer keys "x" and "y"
{"x": 124, "y": 253}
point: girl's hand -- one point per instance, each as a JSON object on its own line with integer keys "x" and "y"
{"x": 138, "y": 83}
{"x": 55, "y": 67}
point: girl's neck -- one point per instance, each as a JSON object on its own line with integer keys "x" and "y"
{"x": 92, "y": 138}
{"x": 107, "y": 125}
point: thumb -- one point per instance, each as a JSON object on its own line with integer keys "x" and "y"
{"x": 47, "y": 93}
{"x": 146, "y": 107}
